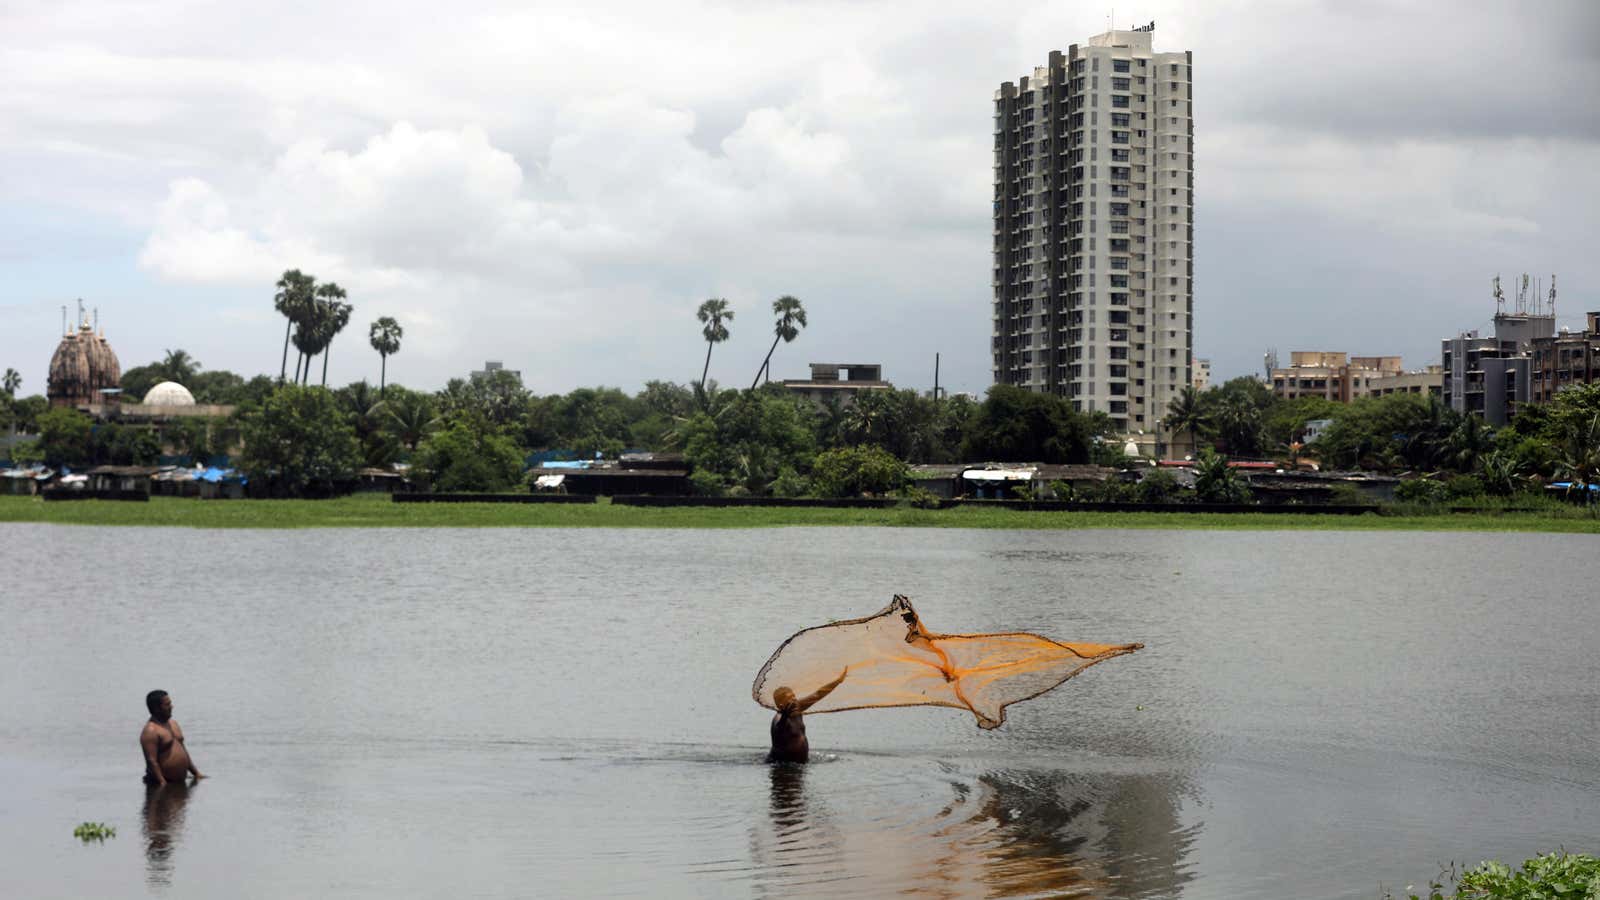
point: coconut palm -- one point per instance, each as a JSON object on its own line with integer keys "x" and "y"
{"x": 296, "y": 290}
{"x": 11, "y": 382}
{"x": 1187, "y": 412}
{"x": 713, "y": 314}
{"x": 178, "y": 366}
{"x": 411, "y": 417}
{"x": 1466, "y": 444}
{"x": 791, "y": 318}
{"x": 384, "y": 335}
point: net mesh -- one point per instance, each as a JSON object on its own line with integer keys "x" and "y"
{"x": 894, "y": 661}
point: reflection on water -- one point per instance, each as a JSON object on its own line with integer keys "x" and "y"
{"x": 481, "y": 696}
{"x": 163, "y": 829}
{"x": 942, "y": 833}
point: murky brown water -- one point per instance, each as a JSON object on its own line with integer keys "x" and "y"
{"x": 504, "y": 713}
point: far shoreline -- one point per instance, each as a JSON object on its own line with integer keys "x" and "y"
{"x": 378, "y": 511}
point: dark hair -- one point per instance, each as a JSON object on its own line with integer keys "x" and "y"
{"x": 152, "y": 701}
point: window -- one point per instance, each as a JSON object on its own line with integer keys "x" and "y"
{"x": 1119, "y": 137}
{"x": 1120, "y": 100}
{"x": 1120, "y": 281}
{"x": 1119, "y": 84}
{"x": 1117, "y": 262}
{"x": 1118, "y": 65}
{"x": 1119, "y": 209}
{"x": 1119, "y": 119}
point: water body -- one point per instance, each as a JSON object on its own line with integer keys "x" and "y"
{"x": 499, "y": 713}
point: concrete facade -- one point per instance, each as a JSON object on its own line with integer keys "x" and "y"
{"x": 1492, "y": 376}
{"x": 1335, "y": 376}
{"x": 1202, "y": 373}
{"x": 827, "y": 382}
{"x": 1565, "y": 360}
{"x": 1093, "y": 294}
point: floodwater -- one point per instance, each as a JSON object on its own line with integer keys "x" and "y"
{"x": 509, "y": 713}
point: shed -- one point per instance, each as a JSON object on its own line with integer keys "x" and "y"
{"x": 116, "y": 482}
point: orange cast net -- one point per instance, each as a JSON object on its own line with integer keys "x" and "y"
{"x": 894, "y": 661}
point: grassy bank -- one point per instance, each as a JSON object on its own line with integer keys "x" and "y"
{"x": 377, "y": 511}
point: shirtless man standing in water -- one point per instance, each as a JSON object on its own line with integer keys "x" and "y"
{"x": 789, "y": 742}
{"x": 166, "y": 759}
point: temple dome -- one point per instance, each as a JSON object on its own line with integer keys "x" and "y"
{"x": 169, "y": 393}
{"x": 82, "y": 366}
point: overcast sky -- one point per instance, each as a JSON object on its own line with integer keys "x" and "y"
{"x": 559, "y": 186}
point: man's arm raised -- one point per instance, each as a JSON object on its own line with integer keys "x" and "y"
{"x": 807, "y": 702}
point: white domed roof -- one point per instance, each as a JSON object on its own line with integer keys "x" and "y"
{"x": 169, "y": 393}
{"x": 1130, "y": 449}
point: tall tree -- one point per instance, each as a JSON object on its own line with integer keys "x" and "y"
{"x": 791, "y": 318}
{"x": 296, "y": 291}
{"x": 10, "y": 383}
{"x": 384, "y": 335}
{"x": 713, "y": 314}
{"x": 334, "y": 316}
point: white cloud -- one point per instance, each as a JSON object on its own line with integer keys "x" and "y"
{"x": 559, "y": 185}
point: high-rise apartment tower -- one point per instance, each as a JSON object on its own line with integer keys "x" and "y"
{"x": 1094, "y": 228}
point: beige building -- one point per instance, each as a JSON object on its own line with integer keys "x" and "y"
{"x": 1336, "y": 376}
{"x": 1093, "y": 228}
{"x": 840, "y": 381}
{"x": 1202, "y": 373}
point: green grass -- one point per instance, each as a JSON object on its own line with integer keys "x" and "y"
{"x": 377, "y": 511}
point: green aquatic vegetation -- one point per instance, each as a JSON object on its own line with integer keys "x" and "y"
{"x": 94, "y": 831}
{"x": 1548, "y": 876}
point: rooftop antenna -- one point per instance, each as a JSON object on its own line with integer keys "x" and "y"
{"x": 1499, "y": 297}
{"x": 81, "y": 319}
{"x": 1552, "y": 295}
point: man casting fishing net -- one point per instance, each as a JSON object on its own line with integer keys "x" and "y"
{"x": 890, "y": 659}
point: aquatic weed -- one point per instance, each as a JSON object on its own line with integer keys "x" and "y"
{"x": 94, "y": 831}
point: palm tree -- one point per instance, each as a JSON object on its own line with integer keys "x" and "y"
{"x": 411, "y": 417}
{"x": 293, "y": 302}
{"x": 713, "y": 313}
{"x": 10, "y": 383}
{"x": 178, "y": 366}
{"x": 384, "y": 335}
{"x": 791, "y": 318}
{"x": 1467, "y": 443}
{"x": 334, "y": 316}
{"x": 1579, "y": 462}
{"x": 1187, "y": 412}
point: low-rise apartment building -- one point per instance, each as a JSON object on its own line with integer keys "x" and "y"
{"x": 1566, "y": 359}
{"x": 1333, "y": 375}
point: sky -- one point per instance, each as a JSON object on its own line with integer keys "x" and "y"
{"x": 558, "y": 186}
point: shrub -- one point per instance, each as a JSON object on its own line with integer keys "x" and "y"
{"x": 1157, "y": 486}
{"x": 1463, "y": 487}
{"x": 919, "y": 497}
{"x": 853, "y": 471}
{"x": 1216, "y": 482}
{"x": 790, "y": 483}
{"x": 1420, "y": 490}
